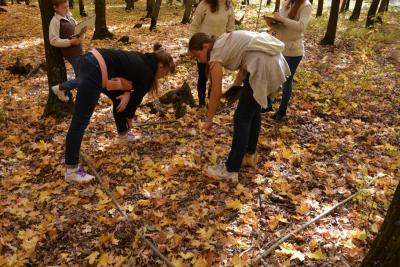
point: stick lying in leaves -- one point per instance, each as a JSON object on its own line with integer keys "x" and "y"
{"x": 119, "y": 208}
{"x": 266, "y": 252}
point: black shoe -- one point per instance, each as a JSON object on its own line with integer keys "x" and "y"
{"x": 278, "y": 116}
{"x": 265, "y": 110}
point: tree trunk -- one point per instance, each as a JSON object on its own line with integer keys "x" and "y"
{"x": 357, "y": 10}
{"x": 3, "y": 3}
{"x": 330, "y": 34}
{"x": 320, "y": 8}
{"x": 56, "y": 72}
{"x": 154, "y": 15}
{"x": 381, "y": 10}
{"x": 129, "y": 4}
{"x": 71, "y": 4}
{"x": 101, "y": 31}
{"x": 188, "y": 10}
{"x": 343, "y": 6}
{"x": 372, "y": 13}
{"x": 347, "y": 8}
{"x": 269, "y": 2}
{"x": 149, "y": 8}
{"x": 27, "y": 2}
{"x": 82, "y": 11}
{"x": 277, "y": 5}
{"x": 311, "y": 2}
{"x": 384, "y": 251}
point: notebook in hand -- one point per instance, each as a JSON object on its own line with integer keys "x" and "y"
{"x": 88, "y": 23}
{"x": 272, "y": 20}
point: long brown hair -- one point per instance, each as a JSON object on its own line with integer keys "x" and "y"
{"x": 198, "y": 39}
{"x": 214, "y": 5}
{"x": 166, "y": 60}
{"x": 294, "y": 6}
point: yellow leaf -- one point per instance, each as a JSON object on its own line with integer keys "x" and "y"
{"x": 43, "y": 196}
{"x": 121, "y": 261}
{"x": 285, "y": 130}
{"x": 177, "y": 262}
{"x": 317, "y": 255}
{"x": 200, "y": 262}
{"x": 205, "y": 235}
{"x": 238, "y": 262}
{"x": 287, "y": 154}
{"x": 103, "y": 260}
{"x": 20, "y": 155}
{"x": 92, "y": 257}
{"x": 187, "y": 255}
{"x": 233, "y": 204}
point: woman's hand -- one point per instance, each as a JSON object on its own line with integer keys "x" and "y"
{"x": 75, "y": 41}
{"x": 124, "y": 101}
{"x": 277, "y": 16}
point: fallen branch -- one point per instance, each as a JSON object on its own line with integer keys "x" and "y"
{"x": 123, "y": 213}
{"x": 266, "y": 252}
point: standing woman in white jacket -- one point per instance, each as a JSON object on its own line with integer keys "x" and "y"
{"x": 213, "y": 17}
{"x": 292, "y": 20}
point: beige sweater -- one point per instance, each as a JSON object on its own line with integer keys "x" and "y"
{"x": 216, "y": 23}
{"x": 291, "y": 32}
{"x": 54, "y": 31}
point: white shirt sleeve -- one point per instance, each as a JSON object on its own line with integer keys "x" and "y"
{"x": 54, "y": 34}
{"x": 302, "y": 23}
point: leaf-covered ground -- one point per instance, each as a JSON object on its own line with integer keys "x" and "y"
{"x": 342, "y": 132}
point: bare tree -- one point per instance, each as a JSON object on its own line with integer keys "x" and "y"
{"x": 56, "y": 72}
{"x": 330, "y": 34}
{"x": 357, "y": 10}
{"x": 320, "y": 8}
{"x": 82, "y": 11}
{"x": 384, "y": 251}
{"x": 154, "y": 15}
{"x": 3, "y": 3}
{"x": 277, "y": 5}
{"x": 188, "y": 11}
{"x": 129, "y": 4}
{"x": 371, "y": 16}
{"x": 382, "y": 8}
{"x": 101, "y": 31}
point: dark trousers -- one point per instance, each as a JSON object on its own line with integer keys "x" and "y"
{"x": 89, "y": 90}
{"x": 201, "y": 83}
{"x": 246, "y": 128}
{"x": 287, "y": 87}
{"x": 120, "y": 118}
{"x": 72, "y": 84}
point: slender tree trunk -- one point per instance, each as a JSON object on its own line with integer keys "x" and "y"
{"x": 269, "y": 2}
{"x": 149, "y": 7}
{"x": 381, "y": 10}
{"x": 129, "y": 4}
{"x": 188, "y": 10}
{"x": 372, "y": 13}
{"x": 56, "y": 72}
{"x": 384, "y": 251}
{"x": 320, "y": 8}
{"x": 357, "y": 10}
{"x": 82, "y": 11}
{"x": 71, "y": 4}
{"x": 347, "y": 8}
{"x": 154, "y": 15}
{"x": 311, "y": 1}
{"x": 330, "y": 34}
{"x": 27, "y": 2}
{"x": 343, "y": 6}
{"x": 3, "y": 3}
{"x": 101, "y": 30}
{"x": 277, "y": 5}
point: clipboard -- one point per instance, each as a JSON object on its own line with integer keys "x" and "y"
{"x": 272, "y": 20}
{"x": 89, "y": 23}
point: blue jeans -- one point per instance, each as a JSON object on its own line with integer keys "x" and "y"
{"x": 246, "y": 128}
{"x": 287, "y": 87}
{"x": 88, "y": 94}
{"x": 89, "y": 90}
{"x": 72, "y": 84}
{"x": 201, "y": 83}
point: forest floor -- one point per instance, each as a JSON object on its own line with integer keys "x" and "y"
{"x": 342, "y": 133}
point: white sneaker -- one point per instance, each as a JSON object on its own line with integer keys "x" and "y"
{"x": 128, "y": 137}
{"x": 60, "y": 93}
{"x": 250, "y": 160}
{"x": 77, "y": 175}
{"x": 220, "y": 171}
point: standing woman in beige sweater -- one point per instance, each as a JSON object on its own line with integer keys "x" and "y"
{"x": 292, "y": 20}
{"x": 213, "y": 17}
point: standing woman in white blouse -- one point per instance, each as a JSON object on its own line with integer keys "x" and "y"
{"x": 213, "y": 17}
{"x": 293, "y": 17}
